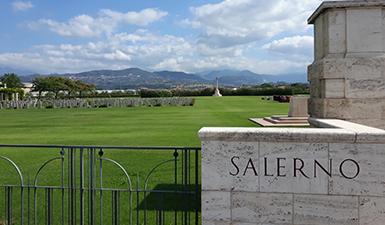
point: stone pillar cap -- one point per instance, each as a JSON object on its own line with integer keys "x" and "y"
{"x": 343, "y": 4}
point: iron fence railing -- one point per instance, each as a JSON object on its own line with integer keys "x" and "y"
{"x": 98, "y": 185}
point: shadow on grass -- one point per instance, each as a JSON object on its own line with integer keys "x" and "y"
{"x": 172, "y": 197}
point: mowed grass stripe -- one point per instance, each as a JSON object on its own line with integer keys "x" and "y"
{"x": 132, "y": 126}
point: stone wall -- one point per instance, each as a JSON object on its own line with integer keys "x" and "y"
{"x": 96, "y": 103}
{"x": 347, "y": 77}
{"x": 333, "y": 174}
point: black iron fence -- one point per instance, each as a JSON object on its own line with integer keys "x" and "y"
{"x": 45, "y": 184}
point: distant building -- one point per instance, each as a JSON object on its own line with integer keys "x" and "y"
{"x": 27, "y": 87}
{"x": 133, "y": 91}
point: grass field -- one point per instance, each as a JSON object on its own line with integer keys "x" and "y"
{"x": 142, "y": 126}
{"x": 136, "y": 126}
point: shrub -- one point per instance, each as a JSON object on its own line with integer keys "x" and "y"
{"x": 155, "y": 93}
{"x": 191, "y": 92}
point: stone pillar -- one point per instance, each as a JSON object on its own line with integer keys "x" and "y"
{"x": 347, "y": 77}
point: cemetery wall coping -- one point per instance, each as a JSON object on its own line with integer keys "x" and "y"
{"x": 323, "y": 131}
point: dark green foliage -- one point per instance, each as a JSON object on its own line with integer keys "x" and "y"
{"x": 261, "y": 90}
{"x": 266, "y": 85}
{"x": 10, "y": 91}
{"x": 300, "y": 88}
{"x": 268, "y": 89}
{"x": 12, "y": 80}
{"x": 189, "y": 92}
{"x": 256, "y": 91}
{"x": 60, "y": 84}
{"x": 155, "y": 93}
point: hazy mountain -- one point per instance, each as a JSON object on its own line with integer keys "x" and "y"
{"x": 181, "y": 77}
{"x": 246, "y": 77}
{"x": 211, "y": 75}
{"x": 236, "y": 77}
{"x": 122, "y": 79}
{"x": 19, "y": 72}
{"x": 290, "y": 78}
{"x": 133, "y": 78}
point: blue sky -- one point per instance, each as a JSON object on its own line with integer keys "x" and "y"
{"x": 264, "y": 36}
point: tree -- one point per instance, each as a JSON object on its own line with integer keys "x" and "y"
{"x": 266, "y": 85}
{"x": 40, "y": 84}
{"x": 83, "y": 87}
{"x": 71, "y": 86}
{"x": 57, "y": 84}
{"x": 11, "y": 80}
{"x": 50, "y": 84}
{"x": 77, "y": 86}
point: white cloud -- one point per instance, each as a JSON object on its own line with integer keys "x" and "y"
{"x": 105, "y": 22}
{"x": 146, "y": 50}
{"x": 21, "y": 5}
{"x": 142, "y": 18}
{"x": 234, "y": 22}
{"x": 262, "y": 66}
{"x": 231, "y": 33}
{"x": 295, "y": 45}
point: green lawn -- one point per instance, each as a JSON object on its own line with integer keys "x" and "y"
{"x": 142, "y": 126}
{"x": 136, "y": 126}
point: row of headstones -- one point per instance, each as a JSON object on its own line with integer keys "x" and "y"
{"x": 96, "y": 103}
{"x": 13, "y": 96}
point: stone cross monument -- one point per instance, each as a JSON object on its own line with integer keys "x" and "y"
{"x": 217, "y": 93}
{"x": 347, "y": 77}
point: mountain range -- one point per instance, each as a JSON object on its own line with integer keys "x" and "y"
{"x": 20, "y": 72}
{"x": 133, "y": 78}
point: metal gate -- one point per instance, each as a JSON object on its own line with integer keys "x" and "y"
{"x": 98, "y": 185}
